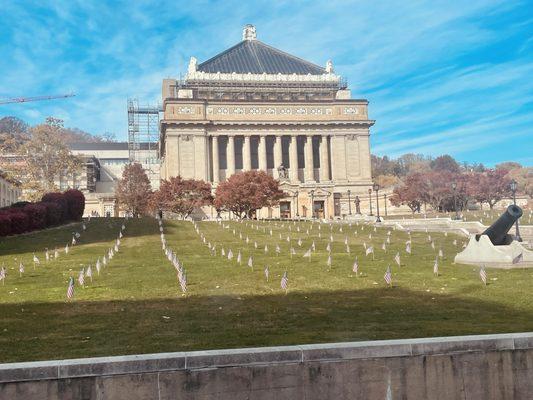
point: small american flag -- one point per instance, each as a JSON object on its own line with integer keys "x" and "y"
{"x": 285, "y": 281}
{"x": 266, "y": 272}
{"x": 36, "y": 259}
{"x": 21, "y": 268}
{"x": 355, "y": 267}
{"x": 278, "y": 249}
{"x": 347, "y": 248}
{"x": 328, "y": 248}
{"x": 250, "y": 262}
{"x": 308, "y": 254}
{"x": 384, "y": 247}
{"x": 266, "y": 249}
{"x": 230, "y": 254}
{"x": 370, "y": 250}
{"x": 70, "y": 288}
{"x": 397, "y": 259}
{"x": 441, "y": 254}
{"x": 328, "y": 263}
{"x": 436, "y": 267}
{"x": 408, "y": 247}
{"x": 300, "y": 242}
{"x": 89, "y": 273}
{"x": 239, "y": 257}
{"x": 483, "y": 275}
{"x": 313, "y": 247}
{"x": 56, "y": 253}
{"x": 66, "y": 249}
{"x": 388, "y": 276}
{"x": 98, "y": 266}
{"x": 3, "y": 275}
{"x": 81, "y": 277}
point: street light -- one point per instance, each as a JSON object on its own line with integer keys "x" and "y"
{"x": 514, "y": 186}
{"x": 385, "y": 198}
{"x": 376, "y": 189}
{"x": 370, "y": 200}
{"x": 349, "y": 202}
{"x": 454, "y": 187}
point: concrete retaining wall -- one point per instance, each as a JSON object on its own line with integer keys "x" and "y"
{"x": 467, "y": 367}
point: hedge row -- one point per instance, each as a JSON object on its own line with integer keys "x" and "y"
{"x": 53, "y": 209}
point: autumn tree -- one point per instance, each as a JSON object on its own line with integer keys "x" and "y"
{"x": 181, "y": 196}
{"x": 13, "y": 134}
{"x": 46, "y": 158}
{"x": 524, "y": 179}
{"x": 491, "y": 186}
{"x": 412, "y": 193}
{"x": 245, "y": 192}
{"x": 445, "y": 163}
{"x": 133, "y": 190}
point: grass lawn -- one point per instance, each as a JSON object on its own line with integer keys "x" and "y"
{"x": 486, "y": 217}
{"x": 136, "y": 305}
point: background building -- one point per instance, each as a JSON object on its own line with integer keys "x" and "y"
{"x": 9, "y": 190}
{"x": 103, "y": 165}
{"x": 256, "y": 107}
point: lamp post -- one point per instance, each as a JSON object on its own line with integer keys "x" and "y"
{"x": 385, "y": 198}
{"x": 312, "y": 193}
{"x": 514, "y": 186}
{"x": 349, "y": 202}
{"x": 454, "y": 187}
{"x": 370, "y": 200}
{"x": 376, "y": 189}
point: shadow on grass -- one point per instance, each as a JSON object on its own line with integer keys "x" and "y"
{"x": 98, "y": 230}
{"x": 60, "y": 330}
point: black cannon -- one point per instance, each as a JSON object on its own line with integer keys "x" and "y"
{"x": 497, "y": 232}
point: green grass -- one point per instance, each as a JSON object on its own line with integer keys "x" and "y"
{"x": 486, "y": 217}
{"x": 136, "y": 305}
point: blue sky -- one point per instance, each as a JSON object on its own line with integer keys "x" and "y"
{"x": 441, "y": 76}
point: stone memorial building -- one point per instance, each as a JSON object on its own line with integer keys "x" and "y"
{"x": 256, "y": 107}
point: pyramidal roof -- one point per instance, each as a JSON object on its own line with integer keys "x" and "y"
{"x": 255, "y": 57}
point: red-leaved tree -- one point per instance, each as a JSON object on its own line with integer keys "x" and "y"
{"x": 133, "y": 190}
{"x": 181, "y": 196}
{"x": 245, "y": 192}
{"x": 491, "y": 186}
{"x": 413, "y": 193}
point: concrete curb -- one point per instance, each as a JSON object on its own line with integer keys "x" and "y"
{"x": 213, "y": 359}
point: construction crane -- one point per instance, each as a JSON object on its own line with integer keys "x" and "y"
{"x": 35, "y": 98}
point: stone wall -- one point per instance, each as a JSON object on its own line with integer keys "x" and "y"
{"x": 467, "y": 367}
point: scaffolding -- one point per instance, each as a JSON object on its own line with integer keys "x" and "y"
{"x": 143, "y": 138}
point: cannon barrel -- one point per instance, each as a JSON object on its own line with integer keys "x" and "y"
{"x": 498, "y": 231}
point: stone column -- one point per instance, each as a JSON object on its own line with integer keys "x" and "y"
{"x": 324, "y": 159}
{"x": 246, "y": 155}
{"x": 216, "y": 163}
{"x": 308, "y": 150}
{"x": 293, "y": 159}
{"x": 230, "y": 156}
{"x": 262, "y": 153}
{"x": 278, "y": 157}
